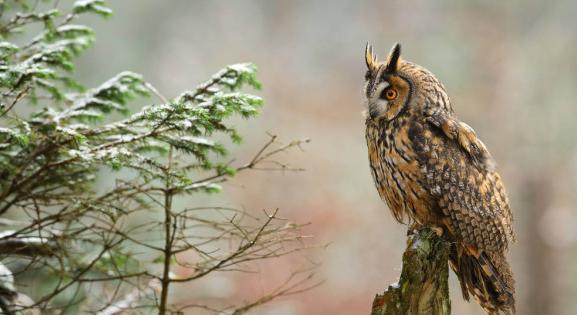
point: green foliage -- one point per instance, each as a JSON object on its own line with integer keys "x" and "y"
{"x": 62, "y": 133}
{"x": 93, "y": 6}
{"x": 51, "y": 154}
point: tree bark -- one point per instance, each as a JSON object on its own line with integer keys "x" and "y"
{"x": 423, "y": 287}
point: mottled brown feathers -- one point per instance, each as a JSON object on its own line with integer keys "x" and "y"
{"x": 432, "y": 169}
{"x": 465, "y": 136}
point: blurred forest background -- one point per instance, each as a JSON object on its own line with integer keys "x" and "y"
{"x": 509, "y": 67}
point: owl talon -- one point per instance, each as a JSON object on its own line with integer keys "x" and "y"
{"x": 413, "y": 228}
{"x": 438, "y": 230}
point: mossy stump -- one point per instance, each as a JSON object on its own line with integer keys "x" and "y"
{"x": 423, "y": 287}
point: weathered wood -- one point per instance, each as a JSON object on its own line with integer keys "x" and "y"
{"x": 423, "y": 287}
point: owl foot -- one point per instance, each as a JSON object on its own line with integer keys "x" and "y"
{"x": 413, "y": 228}
{"x": 438, "y": 230}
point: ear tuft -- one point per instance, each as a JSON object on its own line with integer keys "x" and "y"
{"x": 393, "y": 58}
{"x": 370, "y": 58}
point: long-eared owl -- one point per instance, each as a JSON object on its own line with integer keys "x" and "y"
{"x": 432, "y": 170}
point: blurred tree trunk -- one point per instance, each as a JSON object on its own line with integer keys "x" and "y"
{"x": 541, "y": 257}
{"x": 423, "y": 287}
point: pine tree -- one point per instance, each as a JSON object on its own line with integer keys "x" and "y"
{"x": 68, "y": 247}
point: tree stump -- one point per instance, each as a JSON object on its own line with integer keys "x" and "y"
{"x": 423, "y": 287}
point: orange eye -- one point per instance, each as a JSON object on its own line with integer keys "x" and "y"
{"x": 389, "y": 93}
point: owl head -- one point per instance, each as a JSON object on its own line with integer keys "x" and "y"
{"x": 396, "y": 87}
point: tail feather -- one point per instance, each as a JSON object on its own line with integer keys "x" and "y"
{"x": 486, "y": 276}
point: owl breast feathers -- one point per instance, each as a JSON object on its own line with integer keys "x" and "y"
{"x": 432, "y": 169}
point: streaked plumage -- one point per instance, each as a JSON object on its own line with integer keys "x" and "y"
{"x": 432, "y": 170}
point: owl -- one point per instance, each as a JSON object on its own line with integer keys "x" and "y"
{"x": 432, "y": 170}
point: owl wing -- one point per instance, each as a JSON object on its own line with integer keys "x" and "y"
{"x": 459, "y": 173}
{"x": 465, "y": 136}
